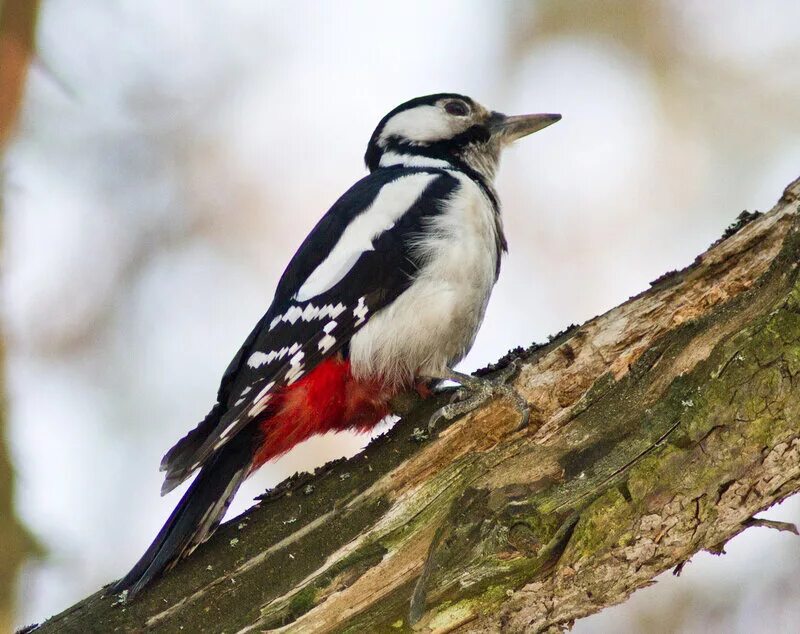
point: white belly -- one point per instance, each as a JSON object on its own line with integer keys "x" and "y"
{"x": 433, "y": 324}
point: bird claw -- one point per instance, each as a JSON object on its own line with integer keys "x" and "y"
{"x": 507, "y": 373}
{"x": 475, "y": 391}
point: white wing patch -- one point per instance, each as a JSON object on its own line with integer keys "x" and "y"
{"x": 328, "y": 341}
{"x": 309, "y": 313}
{"x": 227, "y": 430}
{"x": 360, "y": 311}
{"x": 393, "y": 200}
{"x": 261, "y": 400}
{"x": 296, "y": 369}
{"x": 257, "y": 359}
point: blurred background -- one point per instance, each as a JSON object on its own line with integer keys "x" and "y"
{"x": 169, "y": 157}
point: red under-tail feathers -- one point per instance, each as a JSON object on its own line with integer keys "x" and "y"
{"x": 327, "y": 399}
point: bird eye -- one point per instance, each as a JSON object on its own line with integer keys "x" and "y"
{"x": 457, "y": 108}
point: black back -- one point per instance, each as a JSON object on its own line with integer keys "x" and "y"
{"x": 378, "y": 276}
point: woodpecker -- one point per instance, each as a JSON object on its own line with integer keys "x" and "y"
{"x": 386, "y": 294}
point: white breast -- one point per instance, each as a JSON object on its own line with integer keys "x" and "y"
{"x": 433, "y": 324}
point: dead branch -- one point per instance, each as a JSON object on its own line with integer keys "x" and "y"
{"x": 661, "y": 428}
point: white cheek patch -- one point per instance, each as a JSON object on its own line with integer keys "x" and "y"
{"x": 393, "y": 200}
{"x": 423, "y": 124}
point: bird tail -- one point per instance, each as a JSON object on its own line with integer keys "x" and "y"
{"x": 196, "y": 516}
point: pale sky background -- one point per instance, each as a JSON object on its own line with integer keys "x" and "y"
{"x": 173, "y": 155}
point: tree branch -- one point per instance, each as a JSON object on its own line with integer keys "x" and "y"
{"x": 17, "y": 33}
{"x": 659, "y": 429}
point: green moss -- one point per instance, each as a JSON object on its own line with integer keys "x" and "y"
{"x": 719, "y": 405}
{"x": 301, "y": 603}
{"x": 352, "y": 566}
{"x": 787, "y": 324}
{"x": 529, "y": 532}
{"x": 756, "y": 357}
{"x": 445, "y": 487}
{"x": 767, "y": 344}
{"x": 598, "y": 389}
{"x": 635, "y": 449}
{"x": 451, "y": 613}
{"x": 448, "y": 617}
{"x": 768, "y": 430}
{"x": 793, "y": 299}
{"x": 646, "y": 475}
{"x": 359, "y": 560}
{"x": 494, "y": 594}
{"x": 603, "y": 523}
{"x": 544, "y": 526}
{"x": 792, "y": 358}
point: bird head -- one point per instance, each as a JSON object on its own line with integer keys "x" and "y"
{"x": 448, "y": 130}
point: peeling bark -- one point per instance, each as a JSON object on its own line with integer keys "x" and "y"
{"x": 659, "y": 429}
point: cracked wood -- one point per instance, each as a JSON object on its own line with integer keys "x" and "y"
{"x": 659, "y": 429}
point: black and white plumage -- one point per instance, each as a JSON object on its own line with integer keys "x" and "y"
{"x": 389, "y": 289}
{"x": 356, "y": 261}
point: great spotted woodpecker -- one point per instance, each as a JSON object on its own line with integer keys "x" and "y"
{"x": 385, "y": 294}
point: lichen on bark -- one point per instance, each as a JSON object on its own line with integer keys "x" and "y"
{"x": 660, "y": 429}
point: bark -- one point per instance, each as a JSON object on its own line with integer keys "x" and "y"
{"x": 17, "y": 27}
{"x": 659, "y": 430}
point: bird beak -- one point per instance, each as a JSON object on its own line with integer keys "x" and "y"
{"x": 509, "y": 129}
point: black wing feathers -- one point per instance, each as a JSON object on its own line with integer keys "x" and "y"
{"x": 319, "y": 242}
{"x": 292, "y": 328}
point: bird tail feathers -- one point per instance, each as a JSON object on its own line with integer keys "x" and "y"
{"x": 195, "y": 517}
{"x": 181, "y": 461}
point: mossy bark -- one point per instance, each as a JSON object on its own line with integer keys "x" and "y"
{"x": 659, "y": 430}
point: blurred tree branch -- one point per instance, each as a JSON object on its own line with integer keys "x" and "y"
{"x": 17, "y": 30}
{"x": 17, "y": 33}
{"x": 661, "y": 428}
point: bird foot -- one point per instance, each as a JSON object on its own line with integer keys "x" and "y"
{"x": 475, "y": 391}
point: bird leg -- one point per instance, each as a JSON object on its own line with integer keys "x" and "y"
{"x": 475, "y": 391}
